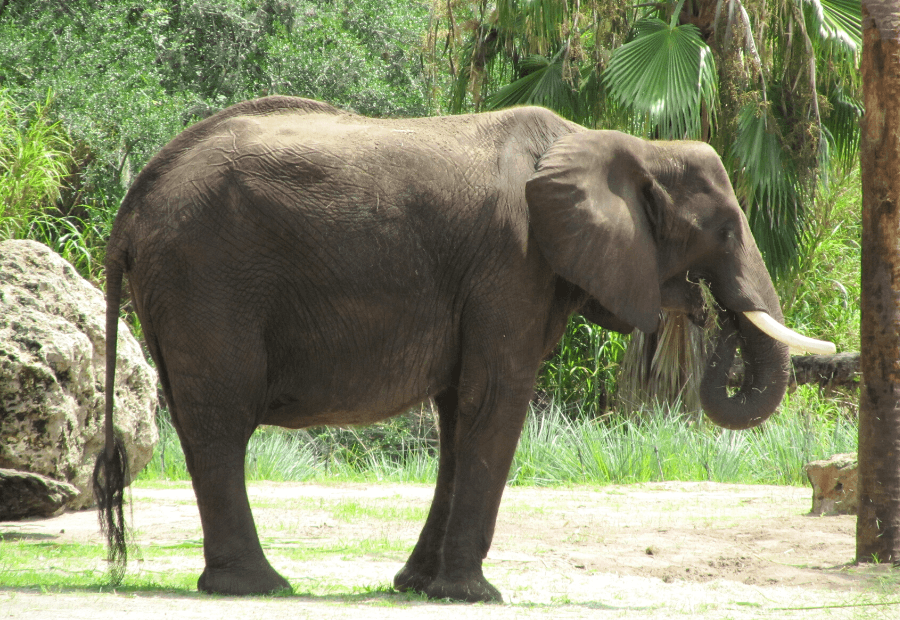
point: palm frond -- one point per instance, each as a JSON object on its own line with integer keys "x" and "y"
{"x": 665, "y": 367}
{"x": 666, "y": 73}
{"x": 841, "y": 125}
{"x": 836, "y": 22}
{"x": 767, "y": 185}
{"x": 543, "y": 84}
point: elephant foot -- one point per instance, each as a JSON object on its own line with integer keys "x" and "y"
{"x": 473, "y": 590}
{"x": 242, "y": 581}
{"x": 410, "y": 580}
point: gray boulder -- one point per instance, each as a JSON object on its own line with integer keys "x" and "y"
{"x": 835, "y": 485}
{"x": 24, "y": 494}
{"x": 52, "y": 370}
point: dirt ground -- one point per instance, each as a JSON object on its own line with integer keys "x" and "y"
{"x": 661, "y": 550}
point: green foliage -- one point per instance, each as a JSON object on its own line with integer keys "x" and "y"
{"x": 36, "y": 159}
{"x": 358, "y": 55}
{"x": 666, "y": 73}
{"x": 768, "y": 180}
{"x": 127, "y": 78}
{"x": 542, "y": 83}
{"x": 102, "y": 63}
{"x": 820, "y": 293}
{"x": 581, "y": 376}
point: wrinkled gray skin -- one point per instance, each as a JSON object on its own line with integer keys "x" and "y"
{"x": 296, "y": 265}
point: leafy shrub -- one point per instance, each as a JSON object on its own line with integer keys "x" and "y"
{"x": 127, "y": 78}
{"x": 581, "y": 376}
{"x": 820, "y": 293}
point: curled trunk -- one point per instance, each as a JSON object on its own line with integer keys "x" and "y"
{"x": 766, "y": 374}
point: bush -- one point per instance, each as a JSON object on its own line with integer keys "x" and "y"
{"x": 820, "y": 293}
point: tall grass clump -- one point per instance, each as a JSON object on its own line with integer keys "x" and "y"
{"x": 661, "y": 444}
{"x": 35, "y": 158}
{"x": 666, "y": 444}
{"x": 402, "y": 449}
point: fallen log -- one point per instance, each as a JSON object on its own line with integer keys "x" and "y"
{"x": 826, "y": 371}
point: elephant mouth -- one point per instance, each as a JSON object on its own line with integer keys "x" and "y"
{"x": 699, "y": 301}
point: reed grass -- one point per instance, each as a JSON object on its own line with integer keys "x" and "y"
{"x": 35, "y": 158}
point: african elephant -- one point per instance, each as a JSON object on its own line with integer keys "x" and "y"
{"x": 297, "y": 265}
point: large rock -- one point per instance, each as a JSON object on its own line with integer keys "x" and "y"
{"x": 834, "y": 483}
{"x": 52, "y": 369}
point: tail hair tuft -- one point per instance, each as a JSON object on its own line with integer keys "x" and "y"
{"x": 110, "y": 476}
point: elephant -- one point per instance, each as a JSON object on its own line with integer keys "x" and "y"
{"x": 297, "y": 265}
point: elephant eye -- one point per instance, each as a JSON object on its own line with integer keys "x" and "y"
{"x": 726, "y": 234}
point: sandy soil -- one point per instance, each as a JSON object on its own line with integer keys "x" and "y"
{"x": 663, "y": 550}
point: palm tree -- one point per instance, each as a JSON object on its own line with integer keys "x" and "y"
{"x": 878, "y": 522}
{"x": 772, "y": 84}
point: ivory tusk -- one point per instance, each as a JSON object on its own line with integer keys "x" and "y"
{"x": 797, "y": 343}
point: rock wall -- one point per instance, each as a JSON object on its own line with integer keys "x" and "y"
{"x": 52, "y": 372}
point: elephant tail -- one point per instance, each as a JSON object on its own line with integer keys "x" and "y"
{"x": 111, "y": 469}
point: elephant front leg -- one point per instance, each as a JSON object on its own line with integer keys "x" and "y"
{"x": 486, "y": 440}
{"x": 425, "y": 561}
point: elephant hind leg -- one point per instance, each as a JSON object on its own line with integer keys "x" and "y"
{"x": 216, "y": 405}
{"x": 235, "y": 563}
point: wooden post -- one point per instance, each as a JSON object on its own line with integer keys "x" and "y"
{"x": 878, "y": 523}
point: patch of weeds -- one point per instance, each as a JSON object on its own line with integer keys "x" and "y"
{"x": 521, "y": 508}
{"x": 350, "y": 510}
{"x": 350, "y": 550}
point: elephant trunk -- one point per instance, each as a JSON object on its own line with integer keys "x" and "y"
{"x": 766, "y": 368}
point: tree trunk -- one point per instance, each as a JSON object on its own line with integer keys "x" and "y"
{"x": 878, "y": 523}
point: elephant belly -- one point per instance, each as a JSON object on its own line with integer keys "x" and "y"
{"x": 349, "y": 386}
{"x": 299, "y": 415}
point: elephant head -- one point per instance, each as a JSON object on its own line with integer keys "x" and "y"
{"x": 636, "y": 224}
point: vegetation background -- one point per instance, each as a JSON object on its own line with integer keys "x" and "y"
{"x": 91, "y": 89}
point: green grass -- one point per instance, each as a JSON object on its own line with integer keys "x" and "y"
{"x": 558, "y": 447}
{"x": 54, "y": 566}
{"x": 665, "y": 445}
{"x": 351, "y": 510}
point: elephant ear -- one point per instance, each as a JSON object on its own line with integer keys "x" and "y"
{"x": 592, "y": 205}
